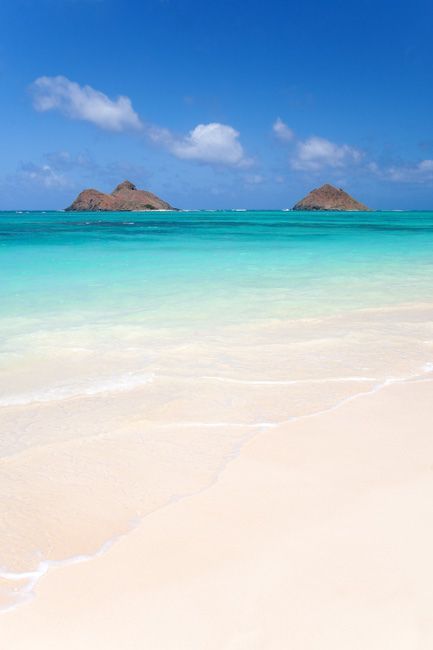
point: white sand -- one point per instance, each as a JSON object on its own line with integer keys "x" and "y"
{"x": 318, "y": 536}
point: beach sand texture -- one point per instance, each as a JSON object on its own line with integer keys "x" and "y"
{"x": 318, "y": 535}
{"x": 217, "y": 433}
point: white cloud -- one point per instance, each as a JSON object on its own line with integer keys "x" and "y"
{"x": 84, "y": 103}
{"x": 421, "y": 172}
{"x": 373, "y": 167}
{"x": 212, "y": 142}
{"x": 282, "y": 131}
{"x": 425, "y": 166}
{"x": 160, "y": 135}
{"x": 417, "y": 173}
{"x": 254, "y": 179}
{"x": 317, "y": 153}
{"x": 60, "y": 170}
{"x": 42, "y": 175}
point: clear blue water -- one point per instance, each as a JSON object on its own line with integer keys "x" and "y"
{"x": 175, "y": 336}
{"x": 183, "y": 268}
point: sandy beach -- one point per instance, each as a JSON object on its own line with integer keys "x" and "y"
{"x": 216, "y": 433}
{"x": 316, "y": 536}
{"x": 216, "y": 325}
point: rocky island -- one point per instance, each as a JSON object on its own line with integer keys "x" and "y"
{"x": 126, "y": 197}
{"x": 330, "y": 198}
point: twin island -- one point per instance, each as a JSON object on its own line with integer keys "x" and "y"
{"x": 127, "y": 198}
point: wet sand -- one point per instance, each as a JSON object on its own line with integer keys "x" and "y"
{"x": 317, "y": 535}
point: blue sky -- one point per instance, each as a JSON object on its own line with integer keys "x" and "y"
{"x": 234, "y": 103}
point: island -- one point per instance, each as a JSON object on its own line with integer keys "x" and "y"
{"x": 330, "y": 198}
{"x": 126, "y": 197}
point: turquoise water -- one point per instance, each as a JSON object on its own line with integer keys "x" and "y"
{"x": 92, "y": 300}
{"x": 139, "y": 351}
{"x": 180, "y": 268}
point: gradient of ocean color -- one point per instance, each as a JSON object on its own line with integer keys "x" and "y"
{"x": 140, "y": 350}
{"x": 90, "y": 300}
{"x": 200, "y": 266}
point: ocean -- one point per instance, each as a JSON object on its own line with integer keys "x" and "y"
{"x": 225, "y": 267}
{"x": 139, "y": 351}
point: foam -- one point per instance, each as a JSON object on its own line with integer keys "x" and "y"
{"x": 288, "y": 382}
{"x": 122, "y": 383}
{"x": 26, "y": 593}
{"x": 32, "y": 577}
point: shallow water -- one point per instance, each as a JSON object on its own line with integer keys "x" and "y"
{"x": 194, "y": 267}
{"x": 140, "y": 350}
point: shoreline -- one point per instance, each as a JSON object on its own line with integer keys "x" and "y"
{"x": 181, "y": 455}
{"x": 108, "y": 588}
{"x": 231, "y": 421}
{"x": 257, "y": 431}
